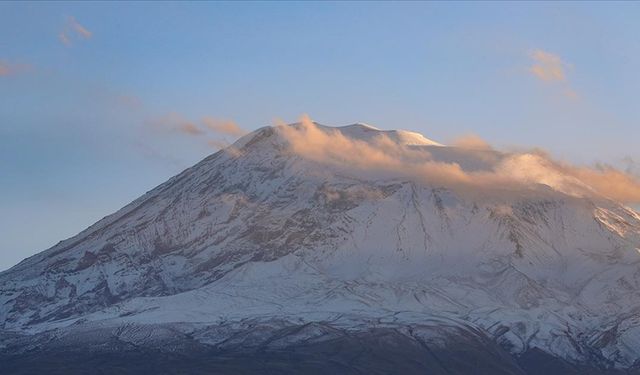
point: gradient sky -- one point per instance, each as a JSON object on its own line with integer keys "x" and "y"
{"x": 100, "y": 102}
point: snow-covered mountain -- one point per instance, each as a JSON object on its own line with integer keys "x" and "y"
{"x": 275, "y": 243}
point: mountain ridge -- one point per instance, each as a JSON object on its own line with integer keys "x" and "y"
{"x": 264, "y": 232}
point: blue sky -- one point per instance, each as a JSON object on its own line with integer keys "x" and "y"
{"x": 96, "y": 98}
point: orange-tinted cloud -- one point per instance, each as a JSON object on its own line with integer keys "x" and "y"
{"x": 73, "y": 30}
{"x": 190, "y": 128}
{"x": 548, "y": 66}
{"x": 224, "y": 127}
{"x": 609, "y": 181}
{"x": 571, "y": 94}
{"x": 330, "y": 145}
{"x": 552, "y": 69}
{"x": 516, "y": 172}
{"x": 211, "y": 130}
{"x": 79, "y": 29}
{"x": 9, "y": 69}
{"x": 471, "y": 141}
{"x": 174, "y": 121}
{"x": 380, "y": 156}
{"x": 632, "y": 166}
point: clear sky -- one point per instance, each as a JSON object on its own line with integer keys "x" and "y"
{"x": 100, "y": 102}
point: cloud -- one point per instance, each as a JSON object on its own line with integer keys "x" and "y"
{"x": 609, "y": 181}
{"x": 129, "y": 101}
{"x": 509, "y": 173}
{"x": 548, "y": 66}
{"x": 471, "y": 141}
{"x": 175, "y": 122}
{"x": 71, "y": 30}
{"x": 190, "y": 128}
{"x": 62, "y": 36}
{"x": 380, "y": 156}
{"x": 631, "y": 166}
{"x": 79, "y": 29}
{"x": 213, "y": 132}
{"x": 571, "y": 94}
{"x": 11, "y": 69}
{"x": 224, "y": 127}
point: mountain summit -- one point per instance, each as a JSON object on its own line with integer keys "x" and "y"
{"x": 330, "y": 243}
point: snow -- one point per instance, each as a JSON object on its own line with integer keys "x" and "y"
{"x": 254, "y": 233}
{"x": 365, "y": 132}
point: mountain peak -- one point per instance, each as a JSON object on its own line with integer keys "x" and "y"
{"x": 404, "y": 137}
{"x": 366, "y": 132}
{"x": 352, "y": 229}
{"x": 359, "y": 125}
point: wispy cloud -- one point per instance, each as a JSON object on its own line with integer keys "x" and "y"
{"x": 62, "y": 36}
{"x": 217, "y": 133}
{"x": 508, "y": 173}
{"x": 79, "y": 29}
{"x": 551, "y": 68}
{"x": 224, "y": 127}
{"x": 548, "y": 66}
{"x": 73, "y": 30}
{"x": 631, "y": 166}
{"x": 11, "y": 69}
{"x": 190, "y": 128}
{"x": 175, "y": 122}
{"x": 471, "y": 141}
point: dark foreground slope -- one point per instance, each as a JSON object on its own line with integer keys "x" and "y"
{"x": 386, "y": 352}
{"x": 375, "y": 351}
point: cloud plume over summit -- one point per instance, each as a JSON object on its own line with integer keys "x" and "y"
{"x": 472, "y": 166}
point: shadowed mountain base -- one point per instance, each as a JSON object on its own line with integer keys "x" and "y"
{"x": 375, "y": 352}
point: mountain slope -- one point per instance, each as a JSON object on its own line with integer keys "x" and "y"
{"x": 262, "y": 237}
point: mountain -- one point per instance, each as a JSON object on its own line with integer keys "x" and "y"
{"x": 307, "y": 249}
